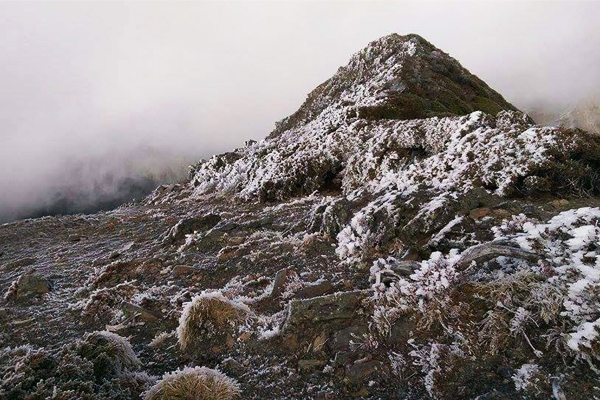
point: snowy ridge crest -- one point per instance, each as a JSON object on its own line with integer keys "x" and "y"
{"x": 401, "y": 113}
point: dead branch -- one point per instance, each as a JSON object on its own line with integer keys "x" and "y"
{"x": 490, "y": 250}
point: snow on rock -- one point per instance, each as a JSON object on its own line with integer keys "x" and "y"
{"x": 452, "y": 153}
{"x": 421, "y": 165}
{"x": 402, "y": 126}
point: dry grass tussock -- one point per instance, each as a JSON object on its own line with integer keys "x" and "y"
{"x": 199, "y": 383}
{"x": 208, "y": 316}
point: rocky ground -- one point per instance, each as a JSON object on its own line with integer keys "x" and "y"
{"x": 406, "y": 234}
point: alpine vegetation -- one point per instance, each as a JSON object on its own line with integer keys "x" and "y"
{"x": 194, "y": 383}
{"x": 407, "y": 233}
{"x": 209, "y": 318}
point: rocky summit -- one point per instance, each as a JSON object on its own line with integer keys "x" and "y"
{"x": 407, "y": 233}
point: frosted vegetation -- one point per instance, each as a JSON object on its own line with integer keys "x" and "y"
{"x": 407, "y": 233}
{"x": 194, "y": 383}
{"x": 412, "y": 177}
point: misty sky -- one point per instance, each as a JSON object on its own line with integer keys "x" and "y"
{"x": 135, "y": 87}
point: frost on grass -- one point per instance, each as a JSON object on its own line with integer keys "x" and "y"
{"x": 100, "y": 304}
{"x": 199, "y": 383}
{"x": 102, "y": 365}
{"x": 570, "y": 240}
{"x": 159, "y": 339}
{"x": 435, "y": 360}
{"x": 426, "y": 291}
{"x": 209, "y": 319}
{"x": 109, "y": 351}
{"x": 525, "y": 377}
{"x": 547, "y": 309}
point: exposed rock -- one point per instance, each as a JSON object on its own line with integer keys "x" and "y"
{"x": 181, "y": 271}
{"x": 232, "y": 366}
{"x": 279, "y": 282}
{"x": 478, "y": 213}
{"x": 401, "y": 331}
{"x": 22, "y": 262}
{"x": 306, "y": 365}
{"x": 333, "y": 309}
{"x": 361, "y": 370}
{"x": 116, "y": 272}
{"x": 186, "y": 226}
{"x": 487, "y": 251}
{"x": 74, "y": 238}
{"x": 228, "y": 253}
{"x": 343, "y": 358}
{"x": 145, "y": 314}
{"x": 29, "y": 284}
{"x": 314, "y": 290}
{"x": 319, "y": 342}
{"x": 331, "y": 217}
{"x": 342, "y": 339}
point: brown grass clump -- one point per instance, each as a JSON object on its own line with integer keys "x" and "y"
{"x": 199, "y": 383}
{"x": 210, "y": 317}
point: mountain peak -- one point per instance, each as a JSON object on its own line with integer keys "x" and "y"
{"x": 398, "y": 77}
{"x": 353, "y": 255}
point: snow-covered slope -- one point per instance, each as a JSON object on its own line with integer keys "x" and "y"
{"x": 337, "y": 140}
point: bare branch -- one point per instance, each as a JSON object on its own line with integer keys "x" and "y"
{"x": 488, "y": 251}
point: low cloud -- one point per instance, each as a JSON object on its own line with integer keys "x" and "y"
{"x": 103, "y": 99}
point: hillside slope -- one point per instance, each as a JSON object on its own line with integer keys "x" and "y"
{"x": 585, "y": 115}
{"x": 407, "y": 233}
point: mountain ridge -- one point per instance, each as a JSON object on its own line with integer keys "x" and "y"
{"x": 353, "y": 253}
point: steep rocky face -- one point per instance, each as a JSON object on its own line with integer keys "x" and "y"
{"x": 366, "y": 249}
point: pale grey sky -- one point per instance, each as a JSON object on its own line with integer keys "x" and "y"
{"x": 110, "y": 81}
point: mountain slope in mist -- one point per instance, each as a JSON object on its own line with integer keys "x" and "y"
{"x": 88, "y": 184}
{"x": 586, "y": 116}
{"x": 360, "y": 251}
